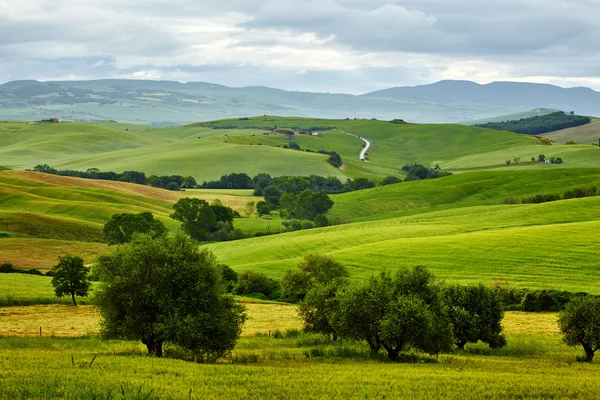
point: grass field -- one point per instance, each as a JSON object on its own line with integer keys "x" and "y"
{"x": 589, "y": 133}
{"x": 533, "y": 365}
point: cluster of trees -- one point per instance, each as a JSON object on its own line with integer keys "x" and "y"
{"x": 170, "y": 182}
{"x": 418, "y": 172}
{"x": 288, "y": 184}
{"x": 539, "y": 124}
{"x": 165, "y": 290}
{"x": 305, "y": 205}
{"x": 576, "y": 193}
{"x": 395, "y": 312}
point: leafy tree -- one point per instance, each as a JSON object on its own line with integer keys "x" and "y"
{"x": 316, "y": 281}
{"x": 251, "y": 282}
{"x": 321, "y": 221}
{"x": 121, "y": 227}
{"x": 229, "y": 276}
{"x": 580, "y": 324}
{"x": 312, "y": 269}
{"x": 306, "y": 205}
{"x": 272, "y": 195}
{"x": 396, "y": 312}
{"x": 189, "y": 182}
{"x": 222, "y": 213}
{"x": 335, "y": 159}
{"x": 541, "y": 158}
{"x": 263, "y": 208}
{"x": 294, "y": 146}
{"x": 166, "y": 290}
{"x": 203, "y": 221}
{"x": 476, "y": 314}
{"x": 71, "y": 277}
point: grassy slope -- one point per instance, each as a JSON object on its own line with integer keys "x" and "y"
{"x": 589, "y": 133}
{"x": 57, "y": 215}
{"x": 440, "y": 225}
{"x": 154, "y": 151}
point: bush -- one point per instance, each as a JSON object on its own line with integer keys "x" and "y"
{"x": 571, "y": 142}
{"x": 251, "y": 283}
{"x": 389, "y": 180}
{"x": 7, "y": 268}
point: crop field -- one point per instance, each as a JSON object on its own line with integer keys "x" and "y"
{"x": 589, "y": 133}
{"x": 533, "y": 365}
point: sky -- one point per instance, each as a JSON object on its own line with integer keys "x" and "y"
{"x": 341, "y": 46}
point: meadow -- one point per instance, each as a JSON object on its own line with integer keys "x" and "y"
{"x": 534, "y": 364}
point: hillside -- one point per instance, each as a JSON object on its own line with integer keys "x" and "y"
{"x": 168, "y": 103}
{"x": 589, "y": 133}
{"x": 539, "y": 124}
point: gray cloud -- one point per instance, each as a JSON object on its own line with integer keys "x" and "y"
{"x": 321, "y": 45}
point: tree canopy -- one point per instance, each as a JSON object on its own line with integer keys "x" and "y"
{"x": 121, "y": 227}
{"x": 71, "y": 277}
{"x": 166, "y": 290}
{"x": 580, "y": 324}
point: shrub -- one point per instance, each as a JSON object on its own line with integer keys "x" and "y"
{"x": 250, "y": 283}
{"x": 7, "y": 268}
{"x": 571, "y": 142}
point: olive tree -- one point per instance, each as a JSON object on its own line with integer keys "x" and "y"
{"x": 166, "y": 290}
{"x": 476, "y": 314}
{"x": 71, "y": 277}
{"x": 580, "y": 324}
{"x": 396, "y": 312}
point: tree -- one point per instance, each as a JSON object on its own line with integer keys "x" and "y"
{"x": 249, "y": 209}
{"x": 476, "y": 314}
{"x": 316, "y": 281}
{"x": 166, "y": 290}
{"x": 200, "y": 220}
{"x": 396, "y": 312}
{"x": 580, "y": 324}
{"x": 541, "y": 158}
{"x": 311, "y": 270}
{"x": 71, "y": 277}
{"x": 121, "y": 227}
{"x": 251, "y": 282}
{"x": 272, "y": 195}
{"x": 263, "y": 208}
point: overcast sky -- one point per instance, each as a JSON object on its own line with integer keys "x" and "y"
{"x": 350, "y": 46}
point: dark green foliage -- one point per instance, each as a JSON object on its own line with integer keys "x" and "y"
{"x": 580, "y": 193}
{"x": 540, "y": 198}
{"x": 476, "y": 314}
{"x": 543, "y": 198}
{"x": 8, "y": 268}
{"x": 396, "y": 312}
{"x": 335, "y": 159}
{"x": 231, "y": 181}
{"x": 417, "y": 172}
{"x": 539, "y": 124}
{"x": 263, "y": 208}
{"x": 580, "y": 324}
{"x": 228, "y": 276}
{"x": 313, "y": 269}
{"x": 250, "y": 282}
{"x": 359, "y": 184}
{"x": 321, "y": 221}
{"x": 297, "y": 225}
{"x": 71, "y": 277}
{"x": 204, "y": 222}
{"x": 121, "y": 227}
{"x": 316, "y": 281}
{"x": 272, "y": 195}
{"x": 389, "y": 180}
{"x": 166, "y": 290}
{"x": 544, "y": 300}
{"x": 306, "y": 205}
{"x": 294, "y": 146}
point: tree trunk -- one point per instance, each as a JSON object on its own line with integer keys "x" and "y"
{"x": 158, "y": 350}
{"x": 392, "y": 352}
{"x": 461, "y": 345}
{"x": 589, "y": 353}
{"x": 73, "y": 297}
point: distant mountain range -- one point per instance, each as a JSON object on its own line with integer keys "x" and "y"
{"x": 174, "y": 103}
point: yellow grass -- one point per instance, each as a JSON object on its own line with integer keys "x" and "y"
{"x": 70, "y": 321}
{"x": 236, "y": 202}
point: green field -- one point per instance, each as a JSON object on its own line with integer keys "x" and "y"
{"x": 533, "y": 365}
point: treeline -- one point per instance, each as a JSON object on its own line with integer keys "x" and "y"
{"x": 545, "y": 198}
{"x": 539, "y": 124}
{"x": 170, "y": 182}
{"x": 288, "y": 184}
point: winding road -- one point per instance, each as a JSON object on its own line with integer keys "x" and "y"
{"x": 363, "y": 153}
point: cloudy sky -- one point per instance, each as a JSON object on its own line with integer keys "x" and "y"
{"x": 350, "y": 46}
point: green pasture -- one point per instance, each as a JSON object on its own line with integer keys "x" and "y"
{"x": 550, "y": 245}
{"x": 310, "y": 367}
